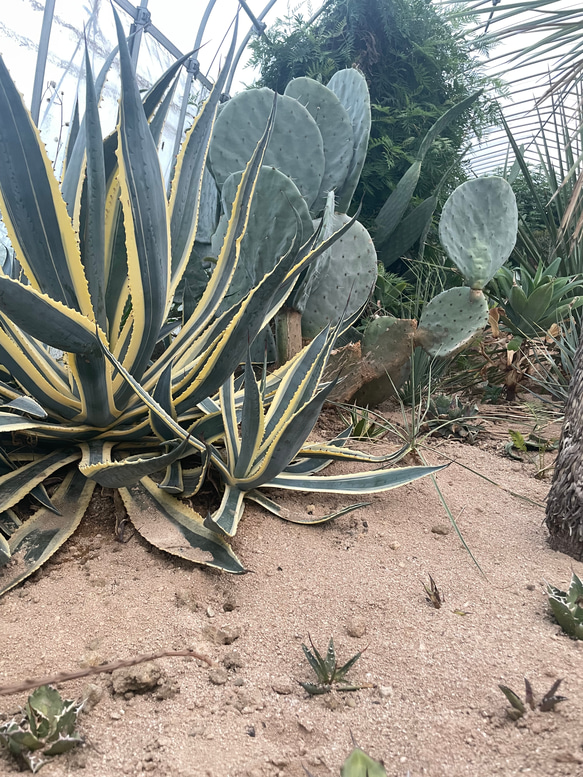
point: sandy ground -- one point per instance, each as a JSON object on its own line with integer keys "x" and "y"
{"x": 434, "y": 707}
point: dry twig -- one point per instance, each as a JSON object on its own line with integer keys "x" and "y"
{"x": 63, "y": 677}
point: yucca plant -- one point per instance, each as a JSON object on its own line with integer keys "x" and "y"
{"x": 96, "y": 266}
{"x": 359, "y": 764}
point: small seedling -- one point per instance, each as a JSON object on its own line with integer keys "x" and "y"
{"x": 519, "y": 707}
{"x": 364, "y": 425}
{"x": 359, "y": 764}
{"x": 434, "y": 595}
{"x": 330, "y": 675}
{"x": 567, "y": 607}
{"x": 47, "y": 728}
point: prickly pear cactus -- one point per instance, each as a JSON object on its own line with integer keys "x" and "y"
{"x": 352, "y": 90}
{"x": 348, "y": 274}
{"x": 450, "y": 320}
{"x": 311, "y": 277}
{"x": 335, "y": 127}
{"x": 276, "y": 202}
{"x": 295, "y": 147}
{"x": 478, "y": 228}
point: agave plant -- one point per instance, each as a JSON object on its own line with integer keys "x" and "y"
{"x": 85, "y": 301}
{"x": 532, "y": 303}
{"x": 567, "y": 607}
{"x": 46, "y": 728}
{"x": 519, "y": 707}
{"x": 330, "y": 675}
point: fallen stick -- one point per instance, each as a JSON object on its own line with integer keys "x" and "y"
{"x": 63, "y": 677}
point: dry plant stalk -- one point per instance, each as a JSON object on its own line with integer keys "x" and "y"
{"x": 63, "y": 677}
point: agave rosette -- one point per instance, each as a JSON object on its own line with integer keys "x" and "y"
{"x": 97, "y": 265}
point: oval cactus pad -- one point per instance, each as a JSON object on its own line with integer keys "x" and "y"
{"x": 276, "y": 200}
{"x": 350, "y": 87}
{"x": 450, "y": 320}
{"x": 335, "y": 127}
{"x": 478, "y": 228}
{"x": 347, "y": 275}
{"x": 295, "y": 147}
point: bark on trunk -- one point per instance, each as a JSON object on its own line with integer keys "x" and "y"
{"x": 564, "y": 515}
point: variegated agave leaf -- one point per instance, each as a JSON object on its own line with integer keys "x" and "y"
{"x": 102, "y": 259}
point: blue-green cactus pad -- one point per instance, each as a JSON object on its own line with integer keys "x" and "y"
{"x": 347, "y": 275}
{"x": 451, "y": 320}
{"x": 352, "y": 90}
{"x": 277, "y": 211}
{"x": 296, "y": 147}
{"x": 335, "y": 127}
{"x": 478, "y": 228}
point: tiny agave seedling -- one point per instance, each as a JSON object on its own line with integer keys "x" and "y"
{"x": 329, "y": 674}
{"x": 359, "y": 764}
{"x": 434, "y": 595}
{"x": 519, "y": 707}
{"x": 47, "y": 728}
{"x": 567, "y": 607}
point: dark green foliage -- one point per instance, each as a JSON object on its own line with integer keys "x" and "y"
{"x": 416, "y": 68}
{"x": 434, "y": 595}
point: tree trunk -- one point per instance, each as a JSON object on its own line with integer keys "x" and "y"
{"x": 564, "y": 515}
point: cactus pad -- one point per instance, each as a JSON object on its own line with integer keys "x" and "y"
{"x": 348, "y": 272}
{"x": 478, "y": 228}
{"x": 276, "y": 201}
{"x": 450, "y": 320}
{"x": 335, "y": 127}
{"x": 295, "y": 147}
{"x": 352, "y": 90}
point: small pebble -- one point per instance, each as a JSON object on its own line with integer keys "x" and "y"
{"x": 218, "y": 675}
{"x": 283, "y": 687}
{"x": 92, "y": 695}
{"x": 441, "y": 529}
{"x": 394, "y": 545}
{"x": 356, "y": 627}
{"x": 233, "y": 660}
